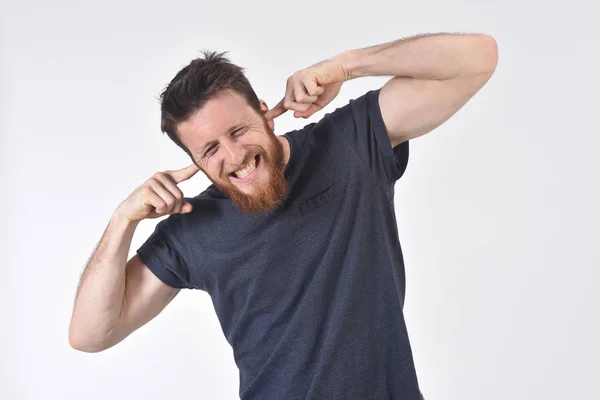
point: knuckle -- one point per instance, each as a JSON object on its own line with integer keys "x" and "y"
{"x": 146, "y": 191}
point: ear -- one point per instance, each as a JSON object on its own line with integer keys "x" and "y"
{"x": 265, "y": 108}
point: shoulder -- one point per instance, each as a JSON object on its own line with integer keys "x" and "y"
{"x": 205, "y": 204}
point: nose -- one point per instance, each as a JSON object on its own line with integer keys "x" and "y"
{"x": 236, "y": 152}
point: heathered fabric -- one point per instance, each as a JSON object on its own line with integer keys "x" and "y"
{"x": 310, "y": 297}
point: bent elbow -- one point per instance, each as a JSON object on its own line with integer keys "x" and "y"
{"x": 79, "y": 342}
{"x": 490, "y": 52}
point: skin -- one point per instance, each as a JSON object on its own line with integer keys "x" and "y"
{"x": 224, "y": 136}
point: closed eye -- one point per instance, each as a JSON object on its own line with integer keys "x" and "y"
{"x": 210, "y": 150}
{"x": 237, "y": 132}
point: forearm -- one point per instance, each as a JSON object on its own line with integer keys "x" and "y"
{"x": 102, "y": 288}
{"x": 436, "y": 56}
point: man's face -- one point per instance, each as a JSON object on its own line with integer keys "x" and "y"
{"x": 238, "y": 151}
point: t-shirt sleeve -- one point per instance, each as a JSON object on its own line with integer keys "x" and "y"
{"x": 361, "y": 124}
{"x": 165, "y": 253}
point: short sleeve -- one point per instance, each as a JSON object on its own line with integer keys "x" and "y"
{"x": 165, "y": 252}
{"x": 361, "y": 124}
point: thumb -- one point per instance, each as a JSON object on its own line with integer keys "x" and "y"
{"x": 186, "y": 208}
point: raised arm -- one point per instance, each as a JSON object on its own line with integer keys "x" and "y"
{"x": 434, "y": 76}
{"x": 116, "y": 296}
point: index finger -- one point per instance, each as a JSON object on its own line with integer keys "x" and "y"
{"x": 275, "y": 111}
{"x": 183, "y": 174}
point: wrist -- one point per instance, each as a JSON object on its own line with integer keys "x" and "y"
{"x": 354, "y": 63}
{"x": 120, "y": 219}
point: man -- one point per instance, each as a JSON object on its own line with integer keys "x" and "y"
{"x": 296, "y": 239}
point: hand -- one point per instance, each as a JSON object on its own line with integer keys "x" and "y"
{"x": 311, "y": 89}
{"x": 158, "y": 196}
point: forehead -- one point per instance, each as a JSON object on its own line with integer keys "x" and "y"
{"x": 215, "y": 118}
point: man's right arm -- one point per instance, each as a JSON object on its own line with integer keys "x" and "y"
{"x": 115, "y": 297}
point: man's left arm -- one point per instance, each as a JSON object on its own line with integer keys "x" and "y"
{"x": 434, "y": 76}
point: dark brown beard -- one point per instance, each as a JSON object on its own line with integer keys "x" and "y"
{"x": 274, "y": 193}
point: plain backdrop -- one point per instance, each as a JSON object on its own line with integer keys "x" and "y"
{"x": 497, "y": 211}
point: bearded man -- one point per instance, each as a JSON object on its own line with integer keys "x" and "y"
{"x": 296, "y": 239}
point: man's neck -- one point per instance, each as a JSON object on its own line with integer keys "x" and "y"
{"x": 286, "y": 150}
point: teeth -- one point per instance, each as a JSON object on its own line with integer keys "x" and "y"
{"x": 244, "y": 172}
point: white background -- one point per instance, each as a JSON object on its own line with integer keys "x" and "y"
{"x": 497, "y": 211}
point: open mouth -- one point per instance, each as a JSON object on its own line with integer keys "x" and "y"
{"x": 248, "y": 173}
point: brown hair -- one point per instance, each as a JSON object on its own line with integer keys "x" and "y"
{"x": 197, "y": 83}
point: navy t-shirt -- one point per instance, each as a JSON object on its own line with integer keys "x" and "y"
{"x": 310, "y": 297}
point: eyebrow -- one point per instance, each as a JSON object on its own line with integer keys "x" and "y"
{"x": 207, "y": 145}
